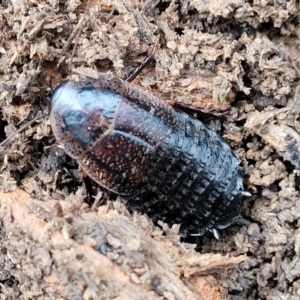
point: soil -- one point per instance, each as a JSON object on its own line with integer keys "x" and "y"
{"x": 238, "y": 60}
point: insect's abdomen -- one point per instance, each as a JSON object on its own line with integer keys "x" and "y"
{"x": 194, "y": 180}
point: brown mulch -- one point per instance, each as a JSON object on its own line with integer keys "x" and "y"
{"x": 237, "y": 56}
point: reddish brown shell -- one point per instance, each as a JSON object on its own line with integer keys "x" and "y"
{"x": 164, "y": 163}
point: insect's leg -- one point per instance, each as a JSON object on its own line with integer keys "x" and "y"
{"x": 245, "y": 194}
{"x": 88, "y": 187}
{"x": 202, "y": 111}
{"x": 215, "y": 232}
{"x": 144, "y": 63}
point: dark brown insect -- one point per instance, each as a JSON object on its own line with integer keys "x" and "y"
{"x": 162, "y": 162}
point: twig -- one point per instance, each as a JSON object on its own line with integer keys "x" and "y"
{"x": 80, "y": 25}
{"x": 11, "y": 136}
{"x": 144, "y": 63}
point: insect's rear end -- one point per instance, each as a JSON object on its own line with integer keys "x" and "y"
{"x": 194, "y": 180}
{"x": 162, "y": 162}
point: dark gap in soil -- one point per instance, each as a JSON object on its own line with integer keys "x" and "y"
{"x": 252, "y": 292}
{"x": 274, "y": 187}
{"x": 269, "y": 29}
{"x": 62, "y": 72}
{"x": 11, "y": 281}
{"x": 241, "y": 96}
{"x": 100, "y": 63}
{"x": 295, "y": 19}
{"x": 3, "y": 123}
{"x": 162, "y": 6}
{"x": 297, "y": 182}
{"x": 193, "y": 12}
{"x": 226, "y": 26}
{"x": 247, "y": 81}
{"x": 240, "y": 123}
{"x": 289, "y": 166}
{"x": 19, "y": 176}
{"x": 17, "y": 101}
{"x": 179, "y": 31}
{"x": 251, "y": 161}
{"x": 272, "y": 283}
{"x": 237, "y": 30}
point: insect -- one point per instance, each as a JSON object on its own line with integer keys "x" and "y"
{"x": 162, "y": 162}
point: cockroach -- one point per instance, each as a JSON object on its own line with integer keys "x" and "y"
{"x": 162, "y": 162}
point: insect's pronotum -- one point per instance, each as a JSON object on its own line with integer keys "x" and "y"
{"x": 162, "y": 162}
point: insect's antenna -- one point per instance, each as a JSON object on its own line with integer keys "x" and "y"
{"x": 144, "y": 63}
{"x": 80, "y": 24}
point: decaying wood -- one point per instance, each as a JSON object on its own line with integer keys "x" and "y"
{"x": 72, "y": 254}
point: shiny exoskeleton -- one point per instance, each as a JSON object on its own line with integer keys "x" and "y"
{"x": 162, "y": 162}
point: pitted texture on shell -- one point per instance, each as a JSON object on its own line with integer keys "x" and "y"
{"x": 194, "y": 180}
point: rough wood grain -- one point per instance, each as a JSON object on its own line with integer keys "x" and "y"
{"x": 74, "y": 254}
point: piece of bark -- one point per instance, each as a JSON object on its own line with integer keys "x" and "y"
{"x": 74, "y": 254}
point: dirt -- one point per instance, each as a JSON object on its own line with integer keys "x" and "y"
{"x": 236, "y": 58}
